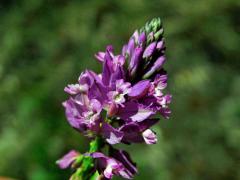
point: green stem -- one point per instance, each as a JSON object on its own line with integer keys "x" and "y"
{"x": 86, "y": 170}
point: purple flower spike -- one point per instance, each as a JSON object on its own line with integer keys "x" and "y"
{"x": 67, "y": 159}
{"x": 149, "y": 137}
{"x": 109, "y": 166}
{"x": 119, "y": 105}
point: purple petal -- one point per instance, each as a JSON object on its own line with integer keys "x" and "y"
{"x": 165, "y": 112}
{"x": 95, "y": 105}
{"x": 124, "y": 49}
{"x": 149, "y": 50}
{"x": 135, "y": 36}
{"x": 86, "y": 78}
{"x": 112, "y": 135}
{"x": 123, "y": 87}
{"x": 98, "y": 91}
{"x": 146, "y": 124}
{"x": 67, "y": 159}
{"x": 142, "y": 114}
{"x": 100, "y": 56}
{"x": 119, "y": 60}
{"x": 72, "y": 113}
{"x": 140, "y": 89}
{"x": 132, "y": 133}
{"x": 118, "y": 74}
{"x": 123, "y": 157}
{"x": 149, "y": 136}
{"x": 129, "y": 109}
{"x": 160, "y": 81}
{"x": 165, "y": 100}
{"x": 135, "y": 59}
{"x": 72, "y": 89}
{"x": 156, "y": 66}
{"x": 130, "y": 46}
{"x": 160, "y": 45}
{"x": 142, "y": 39}
{"x": 96, "y": 155}
{"x": 107, "y": 70}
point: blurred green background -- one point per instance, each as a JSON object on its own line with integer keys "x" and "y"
{"x": 45, "y": 44}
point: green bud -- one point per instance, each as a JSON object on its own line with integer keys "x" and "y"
{"x": 158, "y": 34}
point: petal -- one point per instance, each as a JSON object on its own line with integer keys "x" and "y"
{"x": 146, "y": 124}
{"x": 132, "y": 133}
{"x": 165, "y": 112}
{"x": 140, "y": 89}
{"x": 149, "y": 50}
{"x": 142, "y": 39}
{"x": 95, "y": 105}
{"x": 67, "y": 159}
{"x": 156, "y": 66}
{"x": 135, "y": 60}
{"x": 100, "y": 56}
{"x": 141, "y": 115}
{"x": 123, "y": 157}
{"x": 130, "y": 46}
{"x": 124, "y": 49}
{"x": 86, "y": 78}
{"x": 98, "y": 91}
{"x": 118, "y": 74}
{"x": 160, "y": 81}
{"x": 108, "y": 172}
{"x": 72, "y": 89}
{"x": 96, "y": 155}
{"x": 112, "y": 135}
{"x": 72, "y": 113}
{"x": 119, "y": 59}
{"x": 135, "y": 35}
{"x": 160, "y": 45}
{"x": 149, "y": 136}
{"x": 129, "y": 109}
{"x": 107, "y": 71}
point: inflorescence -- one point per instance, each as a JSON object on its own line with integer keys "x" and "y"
{"x": 119, "y": 105}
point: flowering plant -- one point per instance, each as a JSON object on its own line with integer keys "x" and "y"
{"x": 119, "y": 105}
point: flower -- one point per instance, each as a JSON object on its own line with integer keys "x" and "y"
{"x": 68, "y": 159}
{"x": 122, "y": 89}
{"x": 83, "y": 114}
{"x": 85, "y": 81}
{"x": 119, "y": 164}
{"x": 120, "y": 104}
{"x": 149, "y": 137}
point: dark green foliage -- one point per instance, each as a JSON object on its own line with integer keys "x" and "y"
{"x": 44, "y": 45}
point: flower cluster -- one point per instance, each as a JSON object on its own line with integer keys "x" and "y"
{"x": 119, "y": 105}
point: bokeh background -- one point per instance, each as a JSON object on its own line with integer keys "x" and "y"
{"x": 45, "y": 44}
